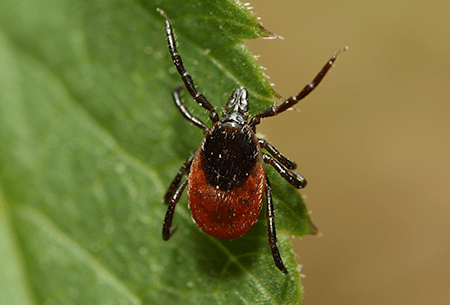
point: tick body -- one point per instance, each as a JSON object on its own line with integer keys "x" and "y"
{"x": 226, "y": 178}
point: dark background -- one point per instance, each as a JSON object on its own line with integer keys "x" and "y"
{"x": 372, "y": 141}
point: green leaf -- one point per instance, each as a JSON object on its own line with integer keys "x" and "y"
{"x": 91, "y": 140}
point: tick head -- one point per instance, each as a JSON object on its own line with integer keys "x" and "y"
{"x": 236, "y": 110}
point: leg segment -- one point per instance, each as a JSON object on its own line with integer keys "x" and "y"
{"x": 187, "y": 79}
{"x": 179, "y": 103}
{"x": 272, "y": 232}
{"x": 292, "y": 177}
{"x": 296, "y": 98}
{"x": 277, "y": 155}
{"x": 176, "y": 182}
{"x": 167, "y": 232}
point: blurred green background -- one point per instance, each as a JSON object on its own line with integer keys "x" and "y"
{"x": 373, "y": 141}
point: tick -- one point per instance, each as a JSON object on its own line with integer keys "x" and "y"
{"x": 225, "y": 177}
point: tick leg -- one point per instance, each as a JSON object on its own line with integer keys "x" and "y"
{"x": 167, "y": 232}
{"x": 291, "y": 176}
{"x": 187, "y": 79}
{"x": 272, "y": 231}
{"x": 277, "y": 155}
{"x": 185, "y": 112}
{"x": 176, "y": 181}
{"x": 274, "y": 110}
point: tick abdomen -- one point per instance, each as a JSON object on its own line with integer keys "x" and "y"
{"x": 226, "y": 182}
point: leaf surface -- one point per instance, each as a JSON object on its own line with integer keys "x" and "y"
{"x": 91, "y": 140}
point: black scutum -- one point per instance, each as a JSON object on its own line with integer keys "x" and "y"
{"x": 229, "y": 154}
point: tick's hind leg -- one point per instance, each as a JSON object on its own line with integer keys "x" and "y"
{"x": 167, "y": 232}
{"x": 272, "y": 231}
{"x": 176, "y": 181}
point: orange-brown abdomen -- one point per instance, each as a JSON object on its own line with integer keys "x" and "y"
{"x": 227, "y": 182}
